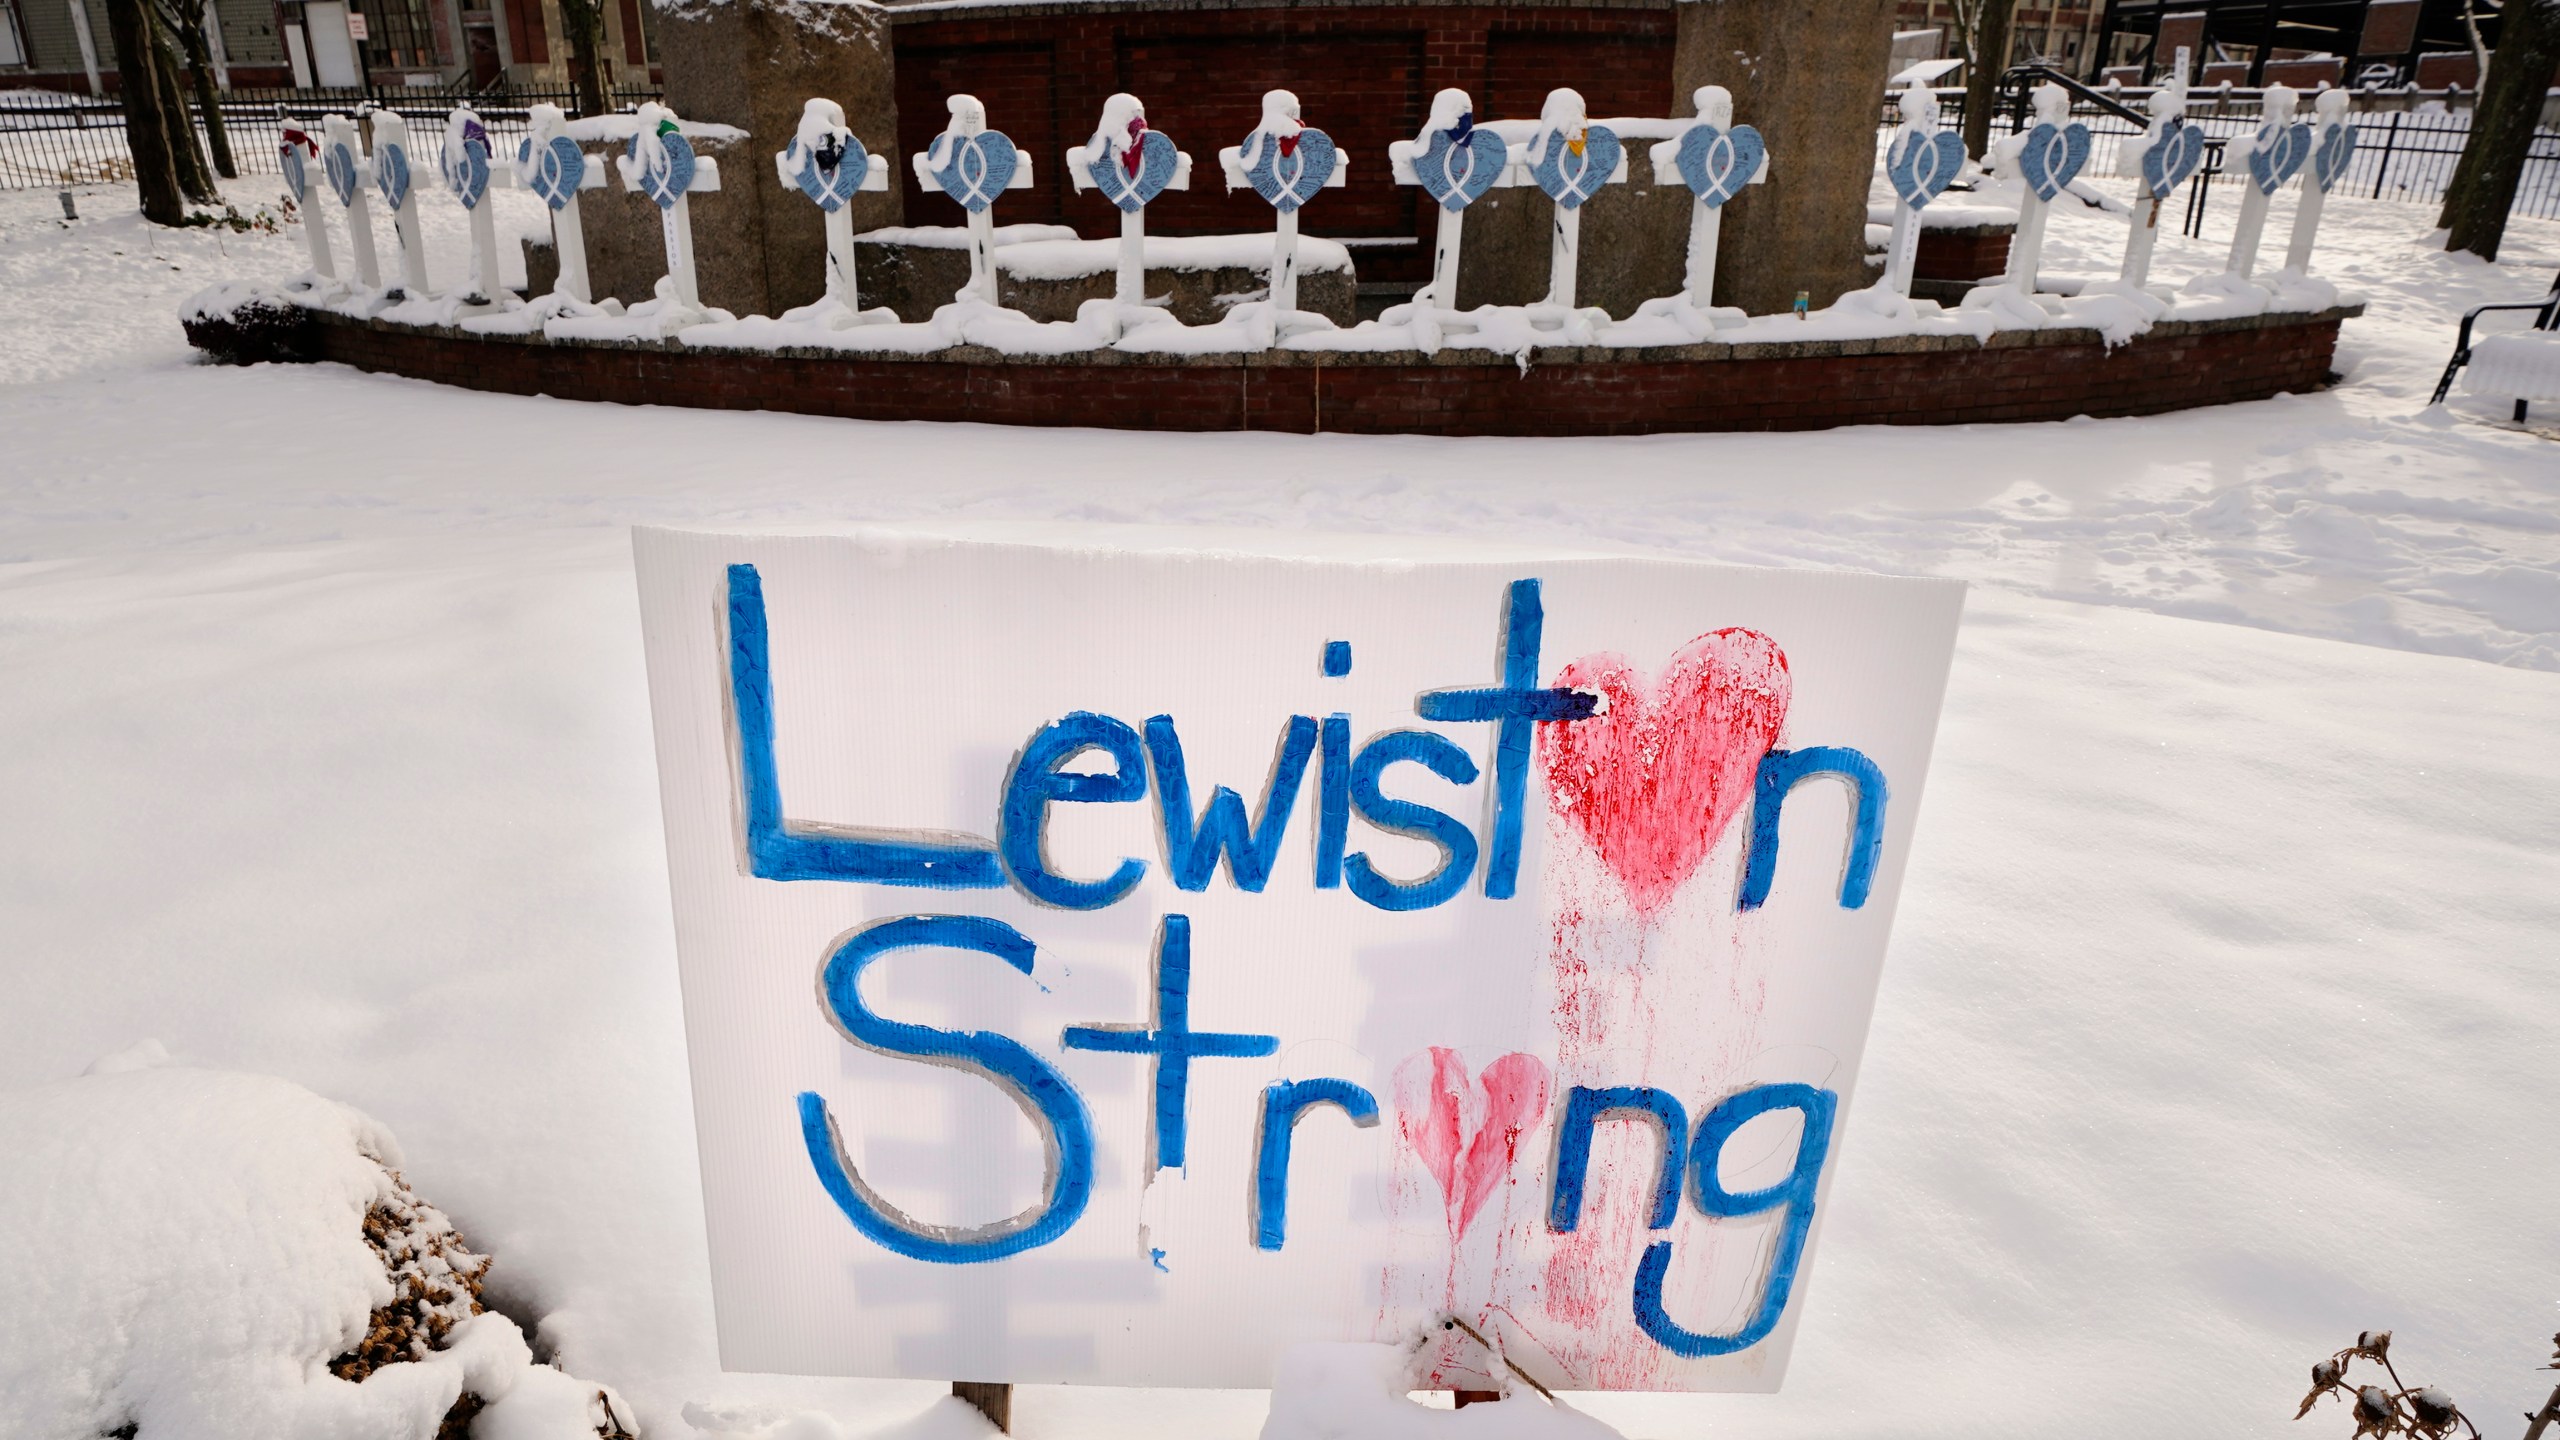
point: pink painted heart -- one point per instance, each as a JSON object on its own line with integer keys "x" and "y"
{"x": 1655, "y": 778}
{"x": 1468, "y": 1131}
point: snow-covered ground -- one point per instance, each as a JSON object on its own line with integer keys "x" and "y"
{"x": 2219, "y": 1023}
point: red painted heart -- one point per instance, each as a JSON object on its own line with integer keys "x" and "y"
{"x": 1655, "y": 778}
{"x": 1468, "y": 1132}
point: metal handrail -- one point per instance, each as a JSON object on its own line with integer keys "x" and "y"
{"x": 2017, "y": 76}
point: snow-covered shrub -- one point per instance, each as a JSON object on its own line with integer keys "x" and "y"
{"x": 2421, "y": 1412}
{"x": 202, "y": 1254}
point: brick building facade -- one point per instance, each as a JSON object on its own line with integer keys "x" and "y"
{"x": 434, "y": 44}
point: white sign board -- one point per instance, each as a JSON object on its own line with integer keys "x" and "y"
{"x": 1118, "y": 967}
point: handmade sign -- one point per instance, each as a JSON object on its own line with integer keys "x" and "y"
{"x": 1117, "y": 967}
{"x": 1286, "y": 163}
{"x": 1454, "y": 162}
{"x": 465, "y": 165}
{"x": 1570, "y": 158}
{"x": 2168, "y": 154}
{"x": 293, "y": 147}
{"x": 551, "y": 165}
{"x": 2049, "y": 157}
{"x": 1130, "y": 165}
{"x": 826, "y": 161}
{"x": 1920, "y": 161}
{"x": 659, "y": 164}
{"x": 392, "y": 176}
{"x": 2275, "y": 150}
{"x": 973, "y": 165}
{"x": 2333, "y": 147}
{"x": 342, "y": 160}
{"x": 1715, "y": 158}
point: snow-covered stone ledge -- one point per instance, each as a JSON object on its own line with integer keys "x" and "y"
{"x": 1777, "y": 373}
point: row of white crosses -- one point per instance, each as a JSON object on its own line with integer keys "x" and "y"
{"x": 1921, "y": 159}
{"x": 659, "y": 164}
{"x": 2280, "y": 147}
{"x": 1455, "y": 161}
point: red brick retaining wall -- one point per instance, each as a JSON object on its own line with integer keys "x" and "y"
{"x": 2020, "y": 375}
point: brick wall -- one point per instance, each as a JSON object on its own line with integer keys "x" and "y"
{"x": 1364, "y": 74}
{"x": 2024, "y": 375}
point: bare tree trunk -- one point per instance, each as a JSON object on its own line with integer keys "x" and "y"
{"x": 195, "y": 177}
{"x": 199, "y": 51}
{"x": 146, "y": 129}
{"x": 2502, "y": 126}
{"x": 584, "y": 20}
{"x": 1982, "y": 72}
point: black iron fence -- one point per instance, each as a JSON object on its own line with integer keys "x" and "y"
{"x": 48, "y": 141}
{"x": 2401, "y": 155}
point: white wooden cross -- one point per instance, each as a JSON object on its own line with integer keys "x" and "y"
{"x": 660, "y": 166}
{"x": 1726, "y": 157}
{"x": 294, "y": 149}
{"x": 2333, "y": 143}
{"x": 825, "y": 162}
{"x": 1570, "y": 159}
{"x": 2049, "y": 154}
{"x": 1275, "y": 162}
{"x": 2168, "y": 154}
{"x": 340, "y": 145}
{"x": 1130, "y": 164}
{"x": 394, "y": 172}
{"x": 470, "y": 170}
{"x": 551, "y": 165}
{"x": 1454, "y": 163}
{"x": 1919, "y": 161}
{"x": 2271, "y": 140}
{"x": 973, "y": 165}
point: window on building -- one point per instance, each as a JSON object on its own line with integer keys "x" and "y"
{"x": 13, "y": 45}
{"x": 400, "y": 35}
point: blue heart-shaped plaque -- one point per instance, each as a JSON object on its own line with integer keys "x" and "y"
{"x": 1458, "y": 174}
{"x": 1716, "y": 163}
{"x": 1157, "y": 159}
{"x": 559, "y": 173}
{"x": 832, "y": 186}
{"x": 2278, "y": 153}
{"x": 2171, "y": 159}
{"x": 977, "y": 168}
{"x": 339, "y": 163}
{"x": 1921, "y": 163}
{"x": 391, "y": 174}
{"x": 1289, "y": 181}
{"x": 466, "y": 173}
{"x": 1570, "y": 179}
{"x": 665, "y": 187}
{"x": 296, "y": 179}
{"x": 2329, "y": 159}
{"x": 2053, "y": 157}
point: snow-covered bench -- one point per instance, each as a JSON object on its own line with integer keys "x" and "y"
{"x": 2524, "y": 366}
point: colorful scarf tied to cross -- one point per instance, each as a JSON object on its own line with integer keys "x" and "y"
{"x": 1135, "y": 155}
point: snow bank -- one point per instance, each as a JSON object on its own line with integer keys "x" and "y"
{"x": 956, "y": 237}
{"x": 1361, "y": 1392}
{"x": 1076, "y": 259}
{"x": 188, "y": 1249}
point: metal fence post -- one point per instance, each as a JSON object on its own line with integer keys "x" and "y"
{"x": 2390, "y": 138}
